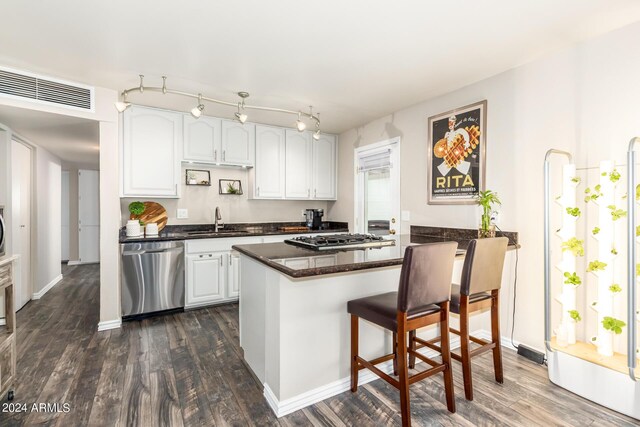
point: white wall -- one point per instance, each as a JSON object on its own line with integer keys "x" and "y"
{"x": 584, "y": 99}
{"x": 48, "y": 218}
{"x": 202, "y": 201}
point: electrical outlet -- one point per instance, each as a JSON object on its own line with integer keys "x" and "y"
{"x": 182, "y": 214}
{"x": 302, "y": 212}
{"x": 406, "y": 215}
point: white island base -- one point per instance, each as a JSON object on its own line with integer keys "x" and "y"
{"x": 295, "y": 332}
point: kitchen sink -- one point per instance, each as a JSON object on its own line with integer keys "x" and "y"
{"x": 215, "y": 233}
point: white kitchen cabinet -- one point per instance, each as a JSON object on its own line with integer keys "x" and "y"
{"x": 233, "y": 280}
{"x": 205, "y": 278}
{"x": 238, "y": 143}
{"x": 298, "y": 160}
{"x": 151, "y": 153}
{"x": 269, "y": 171}
{"x": 324, "y": 168}
{"x": 202, "y": 139}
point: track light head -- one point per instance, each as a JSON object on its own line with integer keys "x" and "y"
{"x": 300, "y": 124}
{"x": 241, "y": 117}
{"x": 122, "y": 105}
{"x": 196, "y": 111}
{"x": 316, "y": 135}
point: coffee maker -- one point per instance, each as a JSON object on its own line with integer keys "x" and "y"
{"x": 313, "y": 218}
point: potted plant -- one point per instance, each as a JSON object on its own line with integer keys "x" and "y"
{"x": 191, "y": 176}
{"x": 487, "y": 199}
{"x": 134, "y": 224}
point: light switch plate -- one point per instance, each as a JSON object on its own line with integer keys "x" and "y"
{"x": 406, "y": 215}
{"x": 182, "y": 214}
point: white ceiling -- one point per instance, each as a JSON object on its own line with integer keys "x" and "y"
{"x": 354, "y": 60}
{"x": 74, "y": 140}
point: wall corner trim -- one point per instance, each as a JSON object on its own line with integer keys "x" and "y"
{"x": 109, "y": 324}
{"x": 51, "y": 284}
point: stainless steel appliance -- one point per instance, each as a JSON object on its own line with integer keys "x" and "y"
{"x": 340, "y": 241}
{"x": 3, "y": 232}
{"x": 152, "y": 277}
{"x": 313, "y": 218}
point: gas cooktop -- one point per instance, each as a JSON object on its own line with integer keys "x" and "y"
{"x": 340, "y": 241}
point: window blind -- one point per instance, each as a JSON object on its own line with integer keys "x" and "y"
{"x": 374, "y": 160}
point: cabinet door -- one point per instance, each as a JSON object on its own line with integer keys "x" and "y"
{"x": 152, "y": 140}
{"x": 298, "y": 164}
{"x": 202, "y": 139}
{"x": 324, "y": 168}
{"x": 205, "y": 278}
{"x": 233, "y": 282}
{"x": 269, "y": 168}
{"x": 238, "y": 142}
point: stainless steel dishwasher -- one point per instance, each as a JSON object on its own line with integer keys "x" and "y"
{"x": 152, "y": 277}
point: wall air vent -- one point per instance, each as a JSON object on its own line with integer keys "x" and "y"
{"x": 22, "y": 85}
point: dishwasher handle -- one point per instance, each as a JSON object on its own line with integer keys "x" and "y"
{"x": 151, "y": 251}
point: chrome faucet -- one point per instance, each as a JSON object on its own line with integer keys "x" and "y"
{"x": 218, "y": 224}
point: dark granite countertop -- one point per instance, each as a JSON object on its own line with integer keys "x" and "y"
{"x": 206, "y": 231}
{"x": 299, "y": 262}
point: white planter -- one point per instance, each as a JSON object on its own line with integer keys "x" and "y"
{"x": 133, "y": 228}
{"x": 571, "y": 331}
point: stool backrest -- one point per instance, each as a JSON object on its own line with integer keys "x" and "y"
{"x": 426, "y": 275}
{"x": 483, "y": 263}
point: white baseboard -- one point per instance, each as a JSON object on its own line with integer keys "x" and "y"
{"x": 74, "y": 262}
{"x": 51, "y": 284}
{"x": 78, "y": 262}
{"x": 109, "y": 324}
{"x": 3, "y": 321}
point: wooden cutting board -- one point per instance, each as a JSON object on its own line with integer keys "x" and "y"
{"x": 153, "y": 212}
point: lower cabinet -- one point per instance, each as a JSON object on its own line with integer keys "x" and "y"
{"x": 205, "y": 278}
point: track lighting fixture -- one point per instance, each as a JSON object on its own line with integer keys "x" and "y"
{"x": 300, "y": 124}
{"x": 196, "y": 111}
{"x": 240, "y": 115}
{"x": 122, "y": 105}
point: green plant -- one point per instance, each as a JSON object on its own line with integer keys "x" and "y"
{"x": 574, "y": 212}
{"x": 487, "y": 199}
{"x": 231, "y": 189}
{"x": 616, "y": 214}
{"x": 614, "y": 176}
{"x": 637, "y": 230}
{"x": 574, "y": 245}
{"x": 575, "y": 179}
{"x": 637, "y": 269}
{"x": 614, "y": 251}
{"x": 613, "y": 325}
{"x": 638, "y": 192}
{"x": 136, "y": 208}
{"x": 572, "y": 279}
{"x": 596, "y": 266}
{"x": 592, "y": 196}
{"x": 615, "y": 288}
{"x": 595, "y": 230}
{"x": 575, "y": 315}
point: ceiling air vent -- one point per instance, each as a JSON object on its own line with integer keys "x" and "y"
{"x": 17, "y": 84}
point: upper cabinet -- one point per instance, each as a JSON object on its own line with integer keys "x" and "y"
{"x": 151, "y": 152}
{"x": 238, "y": 142}
{"x": 298, "y": 156}
{"x": 202, "y": 139}
{"x": 324, "y": 167}
{"x": 269, "y": 171}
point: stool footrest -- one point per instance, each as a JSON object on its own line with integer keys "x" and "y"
{"x": 424, "y": 374}
{"x": 378, "y": 372}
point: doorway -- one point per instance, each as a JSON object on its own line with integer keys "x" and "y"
{"x": 21, "y": 211}
{"x": 377, "y": 188}
{"x": 88, "y": 216}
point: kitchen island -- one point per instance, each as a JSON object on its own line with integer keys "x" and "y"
{"x": 294, "y": 326}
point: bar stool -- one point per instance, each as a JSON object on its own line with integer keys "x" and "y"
{"x": 479, "y": 289}
{"x": 422, "y": 299}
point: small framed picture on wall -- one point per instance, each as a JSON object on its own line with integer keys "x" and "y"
{"x": 456, "y": 147}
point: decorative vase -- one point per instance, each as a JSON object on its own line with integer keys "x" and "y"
{"x": 490, "y": 231}
{"x": 192, "y": 181}
{"x": 133, "y": 228}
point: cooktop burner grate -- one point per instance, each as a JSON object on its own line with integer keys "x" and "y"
{"x": 340, "y": 241}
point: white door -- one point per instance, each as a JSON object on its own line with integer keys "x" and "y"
{"x": 65, "y": 216}
{"x": 377, "y": 188}
{"x": 22, "y": 187}
{"x": 151, "y": 152}
{"x": 202, "y": 139}
{"x": 238, "y": 142}
{"x": 298, "y": 162}
{"x": 205, "y": 278}
{"x": 324, "y": 168}
{"x": 270, "y": 158}
{"x": 88, "y": 216}
{"x": 233, "y": 283}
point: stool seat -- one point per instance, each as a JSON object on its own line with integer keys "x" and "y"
{"x": 382, "y": 310}
{"x": 455, "y": 298}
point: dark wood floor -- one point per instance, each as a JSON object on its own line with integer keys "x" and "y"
{"x": 186, "y": 369}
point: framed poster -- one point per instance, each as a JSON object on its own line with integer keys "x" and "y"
{"x": 456, "y": 150}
